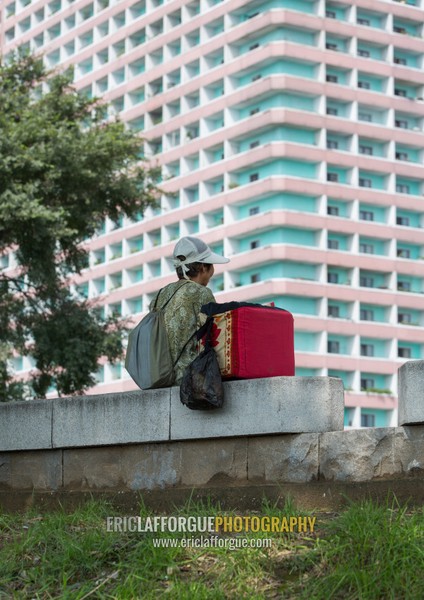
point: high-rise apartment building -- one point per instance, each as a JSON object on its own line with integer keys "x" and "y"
{"x": 290, "y": 134}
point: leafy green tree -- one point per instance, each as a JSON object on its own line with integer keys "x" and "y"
{"x": 64, "y": 167}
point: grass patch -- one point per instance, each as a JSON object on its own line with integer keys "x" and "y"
{"x": 365, "y": 552}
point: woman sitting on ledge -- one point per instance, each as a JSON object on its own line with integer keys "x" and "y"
{"x": 193, "y": 260}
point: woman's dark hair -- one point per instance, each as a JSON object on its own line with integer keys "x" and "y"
{"x": 193, "y": 268}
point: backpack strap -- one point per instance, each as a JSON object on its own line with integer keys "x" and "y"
{"x": 169, "y": 299}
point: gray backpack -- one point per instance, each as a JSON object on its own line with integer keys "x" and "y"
{"x": 148, "y": 358}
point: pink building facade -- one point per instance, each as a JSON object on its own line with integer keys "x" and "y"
{"x": 290, "y": 136}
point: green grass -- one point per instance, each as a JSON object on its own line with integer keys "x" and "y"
{"x": 368, "y": 551}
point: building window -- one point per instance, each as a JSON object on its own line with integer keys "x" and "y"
{"x": 254, "y": 244}
{"x": 401, "y": 93}
{"x": 256, "y": 77}
{"x": 367, "y": 350}
{"x": 365, "y": 85}
{"x": 255, "y": 278}
{"x": 333, "y": 277}
{"x": 365, "y": 182}
{"x": 367, "y": 384}
{"x": 254, "y": 177}
{"x": 254, "y": 46}
{"x": 333, "y": 244}
{"x": 365, "y": 117}
{"x": 254, "y": 144}
{"x": 331, "y": 46}
{"x": 333, "y": 347}
{"x": 402, "y": 221}
{"x": 253, "y": 211}
{"x": 404, "y": 318}
{"x": 404, "y": 352}
{"x": 330, "y": 14}
{"x": 254, "y": 111}
{"x": 398, "y": 29}
{"x": 332, "y": 144}
{"x": 366, "y": 215}
{"x": 365, "y": 281}
{"x": 363, "y": 53}
{"x": 332, "y": 78}
{"x": 401, "y": 123}
{"x": 365, "y": 150}
{"x": 333, "y": 210}
{"x": 399, "y": 61}
{"x": 332, "y": 111}
{"x": 332, "y": 177}
{"x": 334, "y": 311}
{"x": 404, "y": 286}
{"x": 403, "y": 253}
{"x": 366, "y": 314}
{"x": 402, "y": 188}
{"x": 401, "y": 156}
{"x": 362, "y": 21}
{"x": 367, "y": 420}
{"x": 366, "y": 248}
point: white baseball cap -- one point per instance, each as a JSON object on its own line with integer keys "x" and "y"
{"x": 195, "y": 250}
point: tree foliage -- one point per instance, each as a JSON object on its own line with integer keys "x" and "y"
{"x": 64, "y": 167}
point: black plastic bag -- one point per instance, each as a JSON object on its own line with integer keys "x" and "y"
{"x": 201, "y": 386}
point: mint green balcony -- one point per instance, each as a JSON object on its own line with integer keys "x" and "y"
{"x": 295, "y": 168}
{"x": 407, "y": 283}
{"x": 405, "y": 58}
{"x": 303, "y": 372}
{"x": 336, "y": 108}
{"x": 372, "y": 180}
{"x": 337, "y": 141}
{"x": 375, "y": 84}
{"x": 279, "y": 67}
{"x": 335, "y": 75}
{"x": 370, "y": 19}
{"x": 370, "y": 212}
{"x": 294, "y": 270}
{"x": 339, "y": 309}
{"x": 406, "y": 185}
{"x": 372, "y": 148}
{"x": 374, "y": 381}
{"x": 284, "y": 100}
{"x": 408, "y": 153}
{"x": 381, "y": 417}
{"x": 279, "y": 134}
{"x": 338, "y": 241}
{"x": 305, "y": 341}
{"x": 373, "y": 279}
{"x": 339, "y": 344}
{"x": 339, "y": 276}
{"x": 373, "y": 312}
{"x": 410, "y": 350}
{"x": 406, "y": 27}
{"x": 371, "y": 51}
{"x": 135, "y": 305}
{"x": 345, "y": 376}
{"x": 337, "y": 208}
{"x": 306, "y": 6}
{"x": 286, "y": 235}
{"x": 373, "y": 246}
{"x": 336, "y": 11}
{"x": 406, "y": 90}
{"x": 337, "y": 174}
{"x": 412, "y": 251}
{"x": 302, "y": 305}
{"x": 287, "y": 201}
{"x": 409, "y": 316}
{"x": 407, "y": 218}
{"x": 349, "y": 414}
{"x": 407, "y": 121}
{"x": 371, "y": 115}
{"x": 374, "y": 347}
{"x": 284, "y": 33}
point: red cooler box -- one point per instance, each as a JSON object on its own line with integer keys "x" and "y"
{"x": 253, "y": 342}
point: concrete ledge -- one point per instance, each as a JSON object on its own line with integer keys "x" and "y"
{"x": 26, "y": 425}
{"x": 252, "y": 407}
{"x": 264, "y": 406}
{"x": 101, "y": 420}
{"x": 411, "y": 393}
